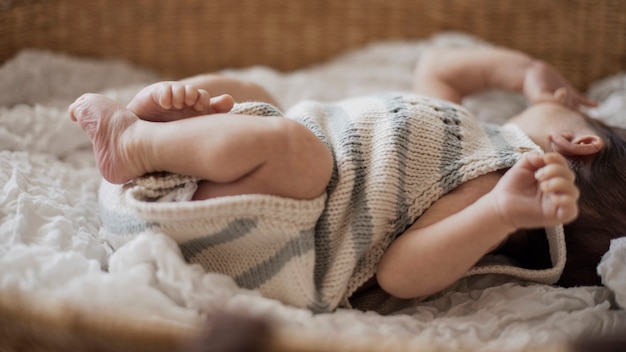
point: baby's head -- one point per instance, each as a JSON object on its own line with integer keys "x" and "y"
{"x": 597, "y": 154}
{"x": 602, "y": 204}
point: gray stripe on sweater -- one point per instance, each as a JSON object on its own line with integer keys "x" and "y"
{"x": 500, "y": 144}
{"x": 265, "y": 271}
{"x": 452, "y": 149}
{"x": 322, "y": 232}
{"x": 234, "y": 230}
{"x": 361, "y": 220}
{"x": 397, "y": 105}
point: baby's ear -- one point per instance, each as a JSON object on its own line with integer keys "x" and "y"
{"x": 568, "y": 145}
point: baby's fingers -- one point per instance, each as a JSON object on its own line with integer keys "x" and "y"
{"x": 561, "y": 196}
{"x": 560, "y": 186}
{"x": 552, "y": 171}
{"x": 566, "y": 208}
{"x": 549, "y": 165}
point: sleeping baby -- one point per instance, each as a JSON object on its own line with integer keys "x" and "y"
{"x": 396, "y": 194}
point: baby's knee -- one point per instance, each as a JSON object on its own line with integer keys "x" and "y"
{"x": 310, "y": 156}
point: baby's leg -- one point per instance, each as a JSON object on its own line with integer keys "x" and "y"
{"x": 235, "y": 154}
{"x": 169, "y": 101}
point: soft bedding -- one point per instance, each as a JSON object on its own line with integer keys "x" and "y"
{"x": 50, "y": 248}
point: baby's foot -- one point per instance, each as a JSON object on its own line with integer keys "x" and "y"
{"x": 169, "y": 101}
{"x": 110, "y": 127}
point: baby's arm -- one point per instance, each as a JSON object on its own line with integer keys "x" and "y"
{"x": 471, "y": 221}
{"x": 454, "y": 73}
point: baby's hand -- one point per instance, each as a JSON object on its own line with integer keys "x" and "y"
{"x": 168, "y": 101}
{"x": 537, "y": 191}
{"x": 543, "y": 83}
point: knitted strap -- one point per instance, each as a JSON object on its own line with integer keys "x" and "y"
{"x": 255, "y": 108}
{"x": 161, "y": 184}
{"x": 556, "y": 240}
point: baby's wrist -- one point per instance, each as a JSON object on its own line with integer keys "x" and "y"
{"x": 501, "y": 222}
{"x": 533, "y": 82}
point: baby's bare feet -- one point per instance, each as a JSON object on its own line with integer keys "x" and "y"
{"x": 110, "y": 126}
{"x": 169, "y": 101}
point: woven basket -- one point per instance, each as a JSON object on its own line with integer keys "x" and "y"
{"x": 585, "y": 39}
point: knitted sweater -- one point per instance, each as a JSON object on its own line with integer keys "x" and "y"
{"x": 394, "y": 156}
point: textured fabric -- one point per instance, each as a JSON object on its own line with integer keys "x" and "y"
{"x": 394, "y": 156}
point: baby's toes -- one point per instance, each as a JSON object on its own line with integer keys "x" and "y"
{"x": 221, "y": 104}
{"x": 163, "y": 96}
{"x": 184, "y": 95}
{"x": 191, "y": 95}
{"x": 202, "y": 102}
{"x": 178, "y": 96}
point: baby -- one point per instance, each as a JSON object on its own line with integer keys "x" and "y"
{"x": 402, "y": 191}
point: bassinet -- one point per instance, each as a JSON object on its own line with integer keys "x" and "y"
{"x": 585, "y": 39}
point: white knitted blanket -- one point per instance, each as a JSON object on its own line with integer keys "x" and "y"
{"x": 49, "y": 246}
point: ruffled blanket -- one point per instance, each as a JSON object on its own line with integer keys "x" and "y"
{"x": 49, "y": 226}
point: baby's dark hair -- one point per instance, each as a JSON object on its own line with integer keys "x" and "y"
{"x": 602, "y": 208}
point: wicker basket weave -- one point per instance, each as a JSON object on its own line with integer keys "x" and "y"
{"x": 585, "y": 39}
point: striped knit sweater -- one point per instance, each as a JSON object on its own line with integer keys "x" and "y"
{"x": 394, "y": 156}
